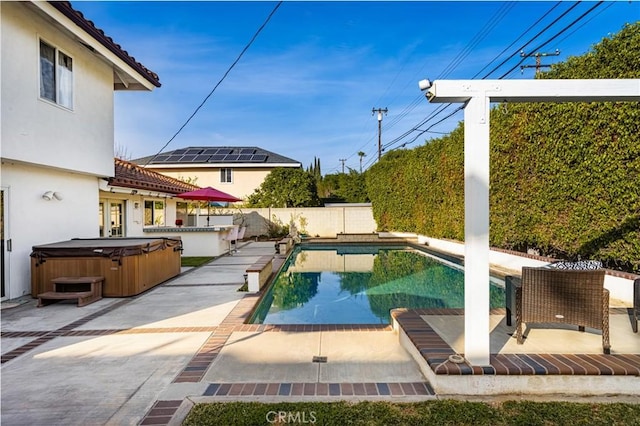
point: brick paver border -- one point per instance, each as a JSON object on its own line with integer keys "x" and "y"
{"x": 436, "y": 352}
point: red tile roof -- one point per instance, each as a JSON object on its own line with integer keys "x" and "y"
{"x": 89, "y": 27}
{"x": 130, "y": 175}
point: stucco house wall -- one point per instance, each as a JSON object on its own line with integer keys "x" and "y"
{"x": 50, "y": 147}
{"x": 37, "y": 131}
{"x": 245, "y": 180}
{"x": 34, "y": 220}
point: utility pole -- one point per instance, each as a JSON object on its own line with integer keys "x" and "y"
{"x": 342, "y": 160}
{"x": 537, "y": 55}
{"x": 379, "y": 111}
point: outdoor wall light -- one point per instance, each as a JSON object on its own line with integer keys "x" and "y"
{"x": 50, "y": 195}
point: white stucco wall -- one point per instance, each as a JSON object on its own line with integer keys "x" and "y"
{"x": 46, "y": 147}
{"x": 38, "y": 131}
{"x": 31, "y": 220}
{"x": 321, "y": 221}
{"x": 621, "y": 289}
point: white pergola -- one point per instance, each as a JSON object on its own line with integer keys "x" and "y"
{"x": 478, "y": 95}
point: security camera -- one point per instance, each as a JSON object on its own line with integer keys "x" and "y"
{"x": 424, "y": 84}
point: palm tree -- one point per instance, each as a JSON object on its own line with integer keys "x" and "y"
{"x": 361, "y": 155}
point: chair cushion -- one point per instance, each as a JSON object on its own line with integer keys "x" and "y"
{"x": 580, "y": 264}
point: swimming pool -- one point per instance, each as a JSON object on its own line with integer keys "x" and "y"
{"x": 355, "y": 284}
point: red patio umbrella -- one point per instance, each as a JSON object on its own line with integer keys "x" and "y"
{"x": 208, "y": 194}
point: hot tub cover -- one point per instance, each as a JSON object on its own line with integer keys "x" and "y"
{"x": 113, "y": 248}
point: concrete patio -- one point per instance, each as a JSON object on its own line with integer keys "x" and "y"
{"x": 138, "y": 360}
{"x": 148, "y": 359}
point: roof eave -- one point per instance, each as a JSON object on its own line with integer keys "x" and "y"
{"x": 219, "y": 165}
{"x": 139, "y": 77}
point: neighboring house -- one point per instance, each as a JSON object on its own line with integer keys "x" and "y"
{"x": 58, "y": 76}
{"x": 136, "y": 198}
{"x": 236, "y": 170}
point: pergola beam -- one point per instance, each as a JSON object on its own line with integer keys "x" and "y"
{"x": 479, "y": 94}
{"x": 603, "y": 90}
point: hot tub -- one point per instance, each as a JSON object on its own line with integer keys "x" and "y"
{"x": 129, "y": 265}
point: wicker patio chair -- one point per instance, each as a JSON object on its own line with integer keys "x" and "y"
{"x": 575, "y": 297}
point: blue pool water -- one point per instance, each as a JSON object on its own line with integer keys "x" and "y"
{"x": 360, "y": 285}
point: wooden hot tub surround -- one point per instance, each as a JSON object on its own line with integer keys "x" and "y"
{"x": 129, "y": 266}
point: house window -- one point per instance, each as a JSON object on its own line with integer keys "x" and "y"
{"x": 56, "y": 76}
{"x": 225, "y": 176}
{"x": 153, "y": 213}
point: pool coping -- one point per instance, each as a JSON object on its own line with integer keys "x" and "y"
{"x": 521, "y": 373}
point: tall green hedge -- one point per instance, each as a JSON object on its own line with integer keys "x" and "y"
{"x": 421, "y": 190}
{"x": 565, "y": 178}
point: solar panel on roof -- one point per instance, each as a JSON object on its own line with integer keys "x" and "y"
{"x": 210, "y": 151}
{"x": 247, "y": 151}
{"x": 179, "y": 151}
{"x": 245, "y": 157}
{"x": 174, "y": 158}
{"x": 217, "y": 157}
{"x": 231, "y": 157}
{"x": 201, "y": 158}
{"x": 194, "y": 151}
{"x": 259, "y": 158}
{"x": 225, "y": 150}
{"x": 188, "y": 157}
{"x": 160, "y": 158}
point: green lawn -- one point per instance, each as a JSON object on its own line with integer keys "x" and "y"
{"x": 194, "y": 261}
{"x": 438, "y": 412}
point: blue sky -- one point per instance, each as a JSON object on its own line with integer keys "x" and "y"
{"x": 307, "y": 85}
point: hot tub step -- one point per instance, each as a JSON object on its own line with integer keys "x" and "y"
{"x": 85, "y": 289}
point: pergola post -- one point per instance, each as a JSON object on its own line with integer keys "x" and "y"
{"x": 478, "y": 94}
{"x": 476, "y": 230}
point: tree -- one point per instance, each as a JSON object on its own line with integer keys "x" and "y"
{"x": 352, "y": 187}
{"x": 286, "y": 187}
{"x": 328, "y": 186}
{"x": 345, "y": 187}
{"x": 361, "y": 154}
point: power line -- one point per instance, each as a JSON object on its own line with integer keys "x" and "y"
{"x": 442, "y": 107}
{"x": 255, "y": 36}
{"x": 416, "y": 128}
{"x": 579, "y": 18}
{"x": 514, "y": 42}
{"x": 485, "y": 30}
{"x": 609, "y": 4}
{"x": 490, "y": 25}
